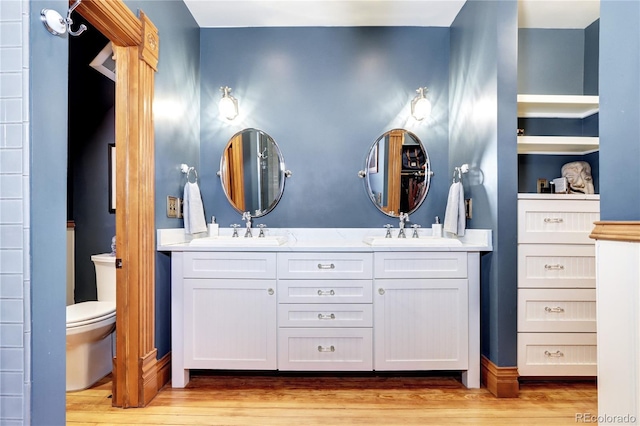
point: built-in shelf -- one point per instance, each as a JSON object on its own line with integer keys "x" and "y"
{"x": 557, "y": 145}
{"x": 557, "y": 106}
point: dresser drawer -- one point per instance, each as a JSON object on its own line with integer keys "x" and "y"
{"x": 325, "y": 349}
{"x": 557, "y": 354}
{"x": 325, "y": 265}
{"x": 557, "y": 310}
{"x": 324, "y": 291}
{"x": 420, "y": 265}
{"x": 325, "y": 315}
{"x": 557, "y": 221}
{"x": 556, "y": 266}
{"x": 229, "y": 265}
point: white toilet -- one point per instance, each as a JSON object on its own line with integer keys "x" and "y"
{"x": 91, "y": 329}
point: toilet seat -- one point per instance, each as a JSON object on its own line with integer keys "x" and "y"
{"x": 89, "y": 312}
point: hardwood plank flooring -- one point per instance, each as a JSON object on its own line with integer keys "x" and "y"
{"x": 327, "y": 400}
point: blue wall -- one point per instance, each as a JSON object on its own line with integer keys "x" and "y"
{"x": 483, "y": 118}
{"x": 619, "y": 110}
{"x": 591, "y": 58}
{"x": 48, "y": 184}
{"x": 551, "y": 61}
{"x": 324, "y": 95}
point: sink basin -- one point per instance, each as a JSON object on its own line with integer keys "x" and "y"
{"x": 228, "y": 241}
{"x": 412, "y": 242}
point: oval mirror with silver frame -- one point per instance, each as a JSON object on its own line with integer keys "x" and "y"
{"x": 397, "y": 173}
{"x": 252, "y": 172}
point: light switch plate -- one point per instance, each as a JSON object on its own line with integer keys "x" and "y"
{"x": 172, "y": 206}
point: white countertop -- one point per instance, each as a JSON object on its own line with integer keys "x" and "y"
{"x": 327, "y": 239}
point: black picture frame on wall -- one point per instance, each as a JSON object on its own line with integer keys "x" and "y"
{"x": 112, "y": 177}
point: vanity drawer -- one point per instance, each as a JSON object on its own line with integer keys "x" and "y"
{"x": 556, "y": 266}
{"x": 325, "y": 315}
{"x": 557, "y": 354}
{"x": 557, "y": 221}
{"x": 557, "y": 310}
{"x": 229, "y": 265}
{"x": 325, "y": 265}
{"x": 420, "y": 265}
{"x": 325, "y": 349}
{"x": 325, "y": 291}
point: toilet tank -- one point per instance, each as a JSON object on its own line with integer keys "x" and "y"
{"x": 105, "y": 265}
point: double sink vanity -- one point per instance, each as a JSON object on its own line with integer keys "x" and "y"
{"x": 325, "y": 300}
{"x": 318, "y": 299}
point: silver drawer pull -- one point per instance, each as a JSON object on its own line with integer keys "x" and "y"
{"x": 326, "y": 317}
{"x": 326, "y": 293}
{"x": 326, "y": 349}
{"x": 557, "y": 310}
{"x": 556, "y": 354}
{"x": 270, "y": 291}
{"x": 553, "y": 220}
{"x": 556, "y": 267}
{"x": 326, "y": 266}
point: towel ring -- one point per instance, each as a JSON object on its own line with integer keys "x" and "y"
{"x": 187, "y": 170}
{"x": 458, "y": 171}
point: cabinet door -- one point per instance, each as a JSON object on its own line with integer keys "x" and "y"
{"x": 230, "y": 324}
{"x": 421, "y": 324}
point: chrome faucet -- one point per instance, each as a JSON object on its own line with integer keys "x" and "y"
{"x": 262, "y": 227}
{"x": 415, "y": 227}
{"x": 388, "y": 234}
{"x": 404, "y": 217}
{"x": 235, "y": 227}
{"x": 247, "y": 216}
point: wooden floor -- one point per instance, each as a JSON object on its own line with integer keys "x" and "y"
{"x": 287, "y": 399}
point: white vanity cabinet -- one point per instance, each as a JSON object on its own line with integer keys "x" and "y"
{"x": 427, "y": 315}
{"x": 326, "y": 301}
{"x": 325, "y": 315}
{"x": 223, "y": 312}
{"x": 556, "y": 285}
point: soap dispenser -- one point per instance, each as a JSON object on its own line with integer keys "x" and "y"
{"x": 436, "y": 229}
{"x": 213, "y": 227}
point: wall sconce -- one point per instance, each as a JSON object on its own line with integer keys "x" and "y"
{"x": 228, "y": 105}
{"x": 420, "y": 105}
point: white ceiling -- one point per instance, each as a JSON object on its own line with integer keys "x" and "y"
{"x": 426, "y": 13}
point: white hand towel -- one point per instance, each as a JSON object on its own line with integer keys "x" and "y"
{"x": 454, "y": 216}
{"x": 193, "y": 210}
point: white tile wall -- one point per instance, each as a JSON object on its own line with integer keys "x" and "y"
{"x": 15, "y": 315}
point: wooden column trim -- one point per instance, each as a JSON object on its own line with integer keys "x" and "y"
{"x": 628, "y": 231}
{"x": 502, "y": 382}
{"x": 135, "y": 46}
{"x": 149, "y": 48}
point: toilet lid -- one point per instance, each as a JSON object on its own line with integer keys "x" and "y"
{"x": 89, "y": 311}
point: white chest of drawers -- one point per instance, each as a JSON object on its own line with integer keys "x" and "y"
{"x": 325, "y": 315}
{"x": 556, "y": 285}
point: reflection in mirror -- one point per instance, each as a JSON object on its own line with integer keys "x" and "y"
{"x": 397, "y": 173}
{"x": 252, "y": 172}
